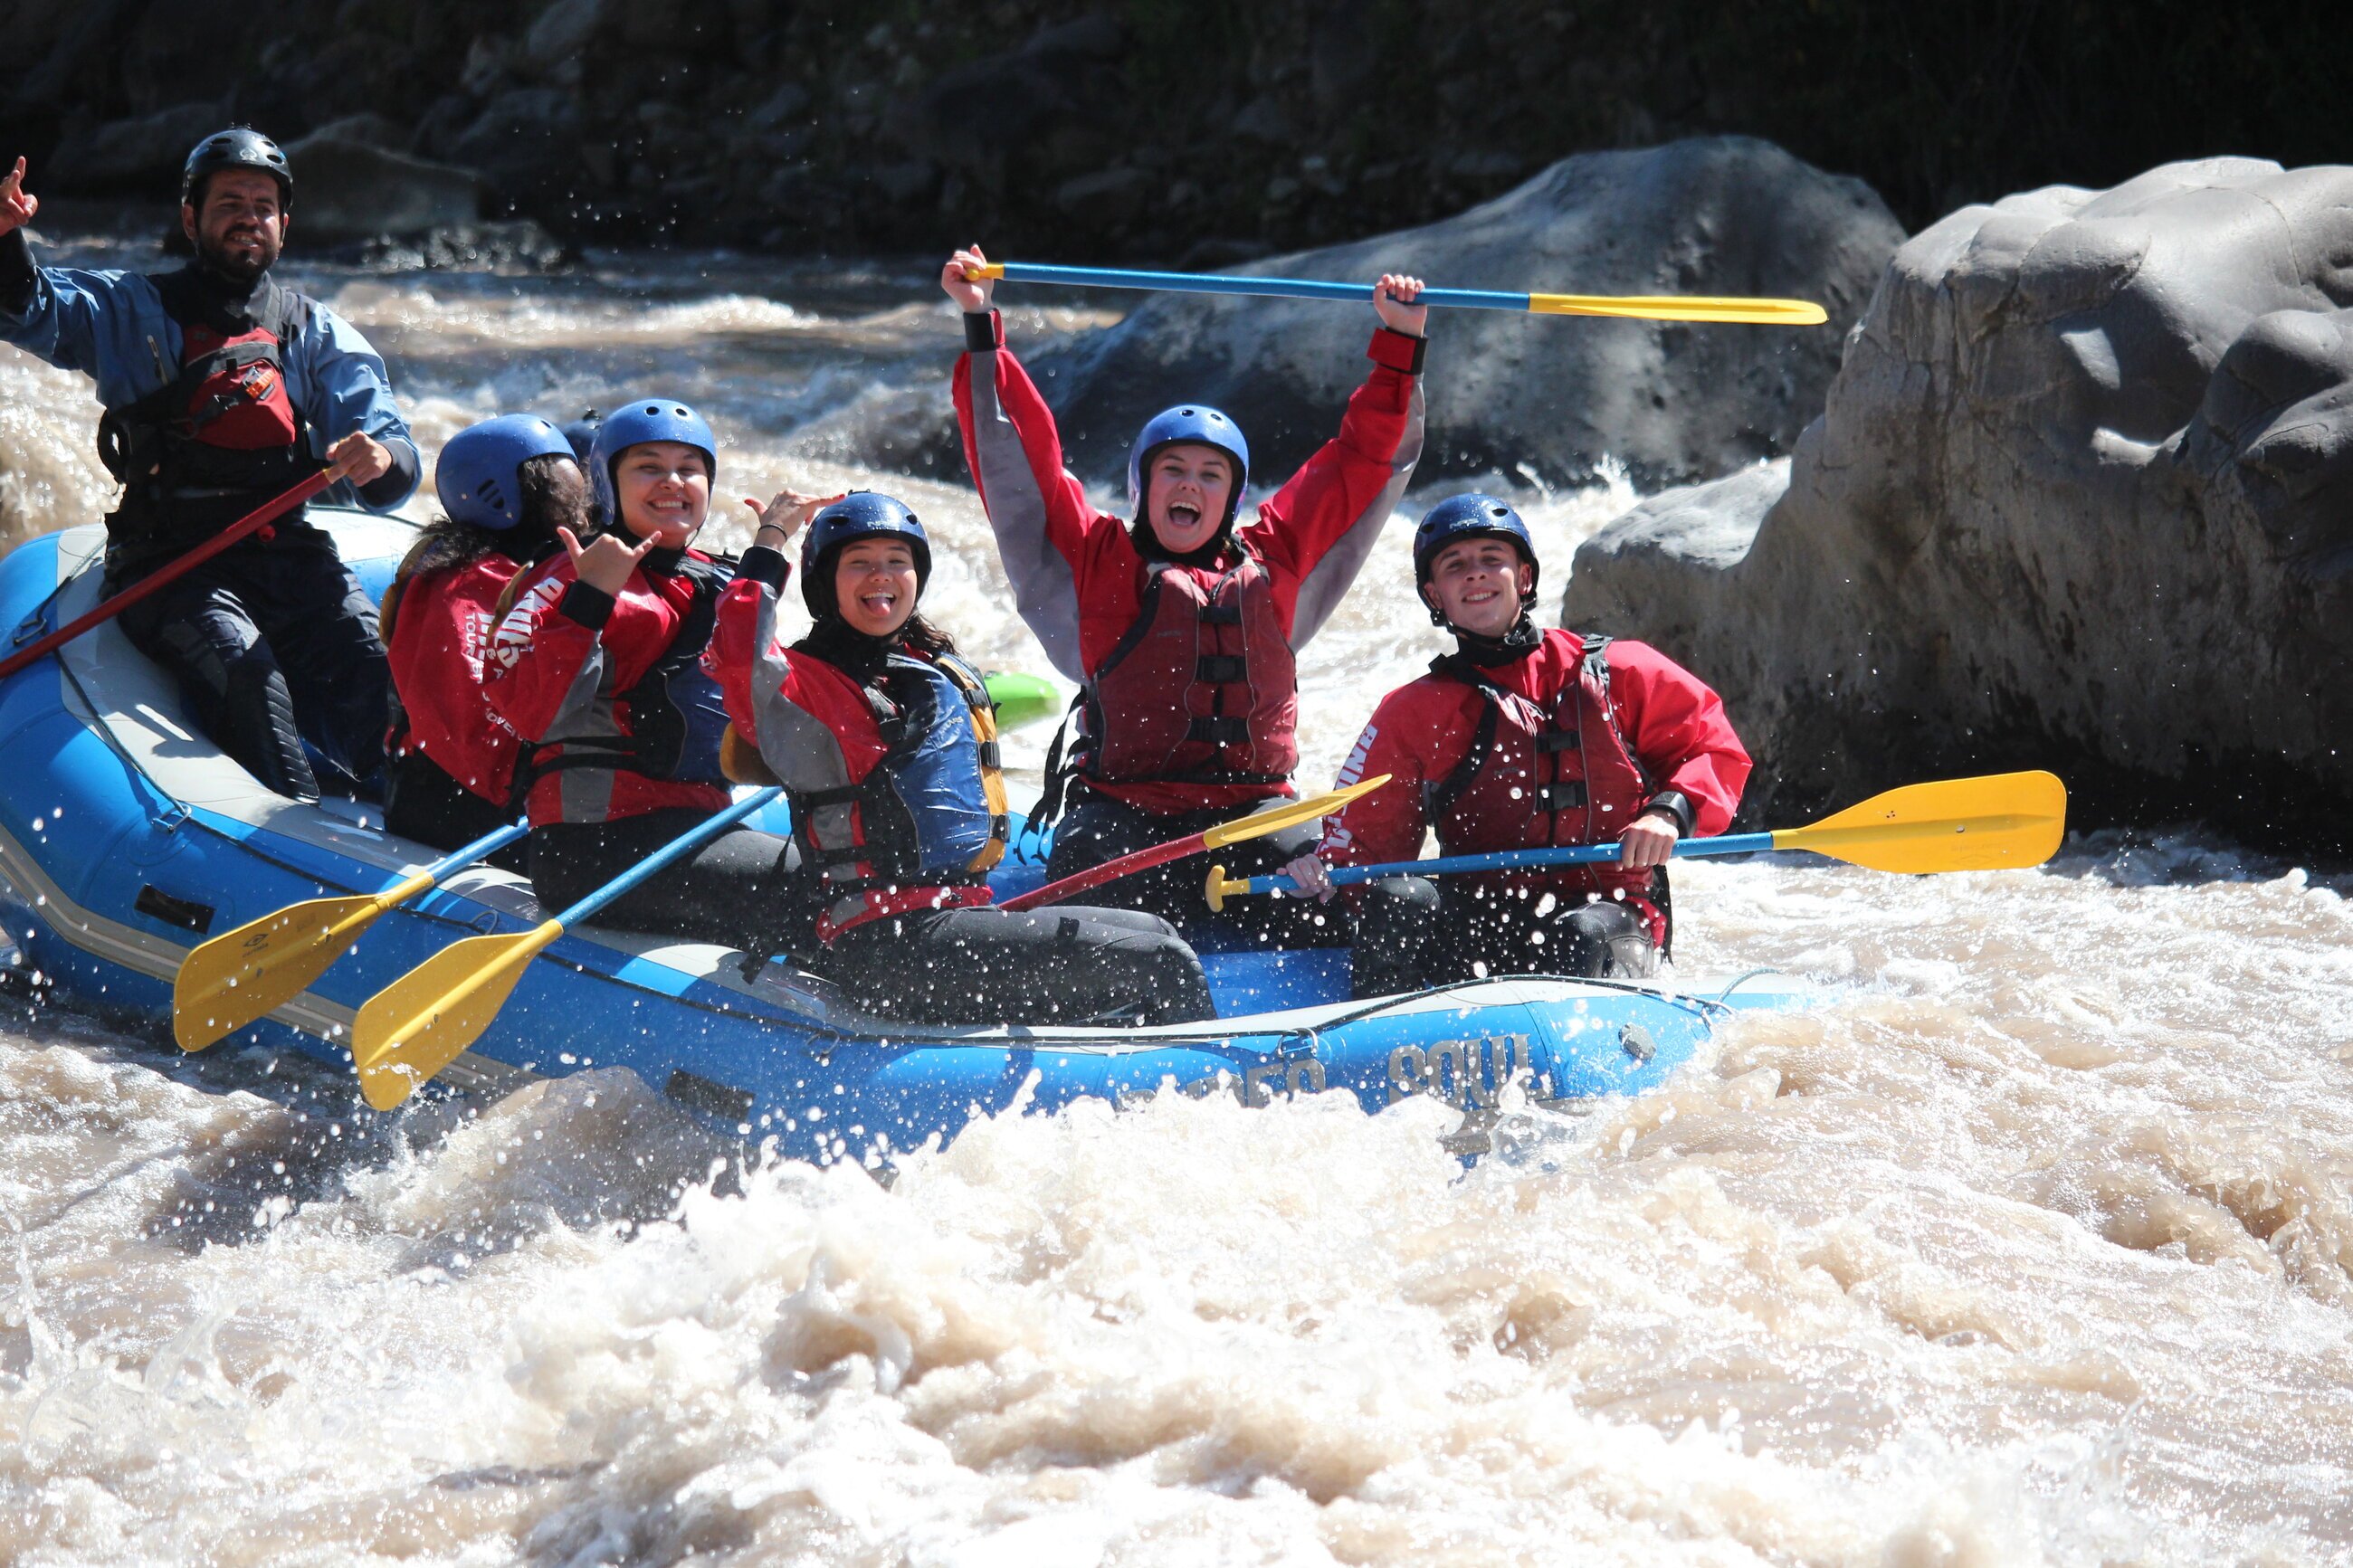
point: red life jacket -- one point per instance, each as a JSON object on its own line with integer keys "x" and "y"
{"x": 219, "y": 438}
{"x": 1202, "y": 689}
{"x": 437, "y": 621}
{"x": 1537, "y": 776}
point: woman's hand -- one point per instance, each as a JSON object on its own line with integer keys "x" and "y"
{"x": 971, "y": 294}
{"x": 1311, "y": 877}
{"x": 605, "y": 562}
{"x": 1393, "y": 302}
{"x": 787, "y": 513}
{"x": 1649, "y": 842}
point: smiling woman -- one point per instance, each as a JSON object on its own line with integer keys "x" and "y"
{"x": 597, "y": 665}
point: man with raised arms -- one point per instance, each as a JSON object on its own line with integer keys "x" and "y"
{"x": 1180, "y": 623}
{"x": 1523, "y": 739}
{"x": 222, "y": 389}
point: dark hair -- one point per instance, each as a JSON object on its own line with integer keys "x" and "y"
{"x": 554, "y": 493}
{"x": 923, "y": 636}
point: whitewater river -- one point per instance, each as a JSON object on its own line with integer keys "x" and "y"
{"x": 2035, "y": 1247}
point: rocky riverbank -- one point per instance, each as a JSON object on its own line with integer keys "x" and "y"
{"x": 2081, "y": 498}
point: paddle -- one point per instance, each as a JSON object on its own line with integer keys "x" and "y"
{"x": 1217, "y": 838}
{"x": 250, "y": 973}
{"x": 425, "y": 1020}
{"x": 1999, "y": 822}
{"x": 1643, "y": 306}
{"x": 107, "y": 609}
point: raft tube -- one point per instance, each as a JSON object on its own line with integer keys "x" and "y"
{"x": 126, "y": 838}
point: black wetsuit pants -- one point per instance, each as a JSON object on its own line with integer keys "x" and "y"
{"x": 272, "y": 645}
{"x": 1060, "y": 964}
{"x": 1413, "y": 932}
{"x": 422, "y": 801}
{"x": 1099, "y": 829}
{"x": 740, "y": 891}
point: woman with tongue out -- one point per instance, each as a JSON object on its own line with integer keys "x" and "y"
{"x": 597, "y": 665}
{"x": 885, "y": 741}
{"x": 1181, "y": 620}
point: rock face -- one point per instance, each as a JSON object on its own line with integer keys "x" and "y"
{"x": 351, "y": 186}
{"x": 2081, "y": 498}
{"x": 1552, "y": 395}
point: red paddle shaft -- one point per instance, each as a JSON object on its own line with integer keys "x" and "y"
{"x": 107, "y": 610}
{"x": 1109, "y": 872}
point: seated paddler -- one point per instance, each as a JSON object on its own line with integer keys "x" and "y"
{"x": 222, "y": 389}
{"x": 1523, "y": 739}
{"x": 885, "y": 741}
{"x": 596, "y": 664}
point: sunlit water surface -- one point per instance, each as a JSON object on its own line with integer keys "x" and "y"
{"x": 2034, "y": 1246}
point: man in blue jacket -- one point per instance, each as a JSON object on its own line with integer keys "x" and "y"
{"x": 222, "y": 389}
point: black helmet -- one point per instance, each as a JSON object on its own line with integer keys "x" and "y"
{"x": 238, "y": 147}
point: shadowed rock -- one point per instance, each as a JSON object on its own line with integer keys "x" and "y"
{"x": 2081, "y": 498}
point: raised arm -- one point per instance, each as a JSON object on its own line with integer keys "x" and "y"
{"x": 1318, "y": 529}
{"x": 1039, "y": 511}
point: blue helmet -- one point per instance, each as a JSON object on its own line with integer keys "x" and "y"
{"x": 861, "y": 515}
{"x": 582, "y": 434}
{"x": 635, "y": 425}
{"x": 1188, "y": 422}
{"x": 478, "y": 475}
{"x": 1472, "y": 516}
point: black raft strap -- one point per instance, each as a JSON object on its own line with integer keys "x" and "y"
{"x": 1220, "y": 668}
{"x": 1219, "y": 730}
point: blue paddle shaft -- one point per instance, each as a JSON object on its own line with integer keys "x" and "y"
{"x": 1272, "y": 287}
{"x": 670, "y": 854}
{"x": 488, "y": 843}
{"x": 1511, "y": 859}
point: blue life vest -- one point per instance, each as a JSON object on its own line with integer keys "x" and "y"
{"x": 932, "y": 811}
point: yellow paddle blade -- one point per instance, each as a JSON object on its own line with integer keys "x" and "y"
{"x": 1681, "y": 307}
{"x": 425, "y": 1020}
{"x": 250, "y": 973}
{"x": 1292, "y": 816}
{"x": 2000, "y": 821}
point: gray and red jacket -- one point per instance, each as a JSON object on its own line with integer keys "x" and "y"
{"x": 1566, "y": 745}
{"x": 610, "y": 687}
{"x": 1191, "y": 700}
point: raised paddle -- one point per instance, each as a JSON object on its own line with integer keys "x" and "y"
{"x": 107, "y": 609}
{"x": 425, "y": 1020}
{"x": 1254, "y": 826}
{"x": 263, "y": 965}
{"x": 1999, "y": 822}
{"x": 1642, "y": 307}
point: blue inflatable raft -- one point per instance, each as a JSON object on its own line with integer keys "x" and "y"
{"x": 126, "y": 838}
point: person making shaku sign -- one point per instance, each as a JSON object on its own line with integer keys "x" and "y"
{"x": 221, "y": 391}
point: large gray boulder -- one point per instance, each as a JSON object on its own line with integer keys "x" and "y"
{"x": 2081, "y": 498}
{"x": 1549, "y": 395}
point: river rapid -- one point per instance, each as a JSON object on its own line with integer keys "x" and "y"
{"x": 2034, "y": 1246}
